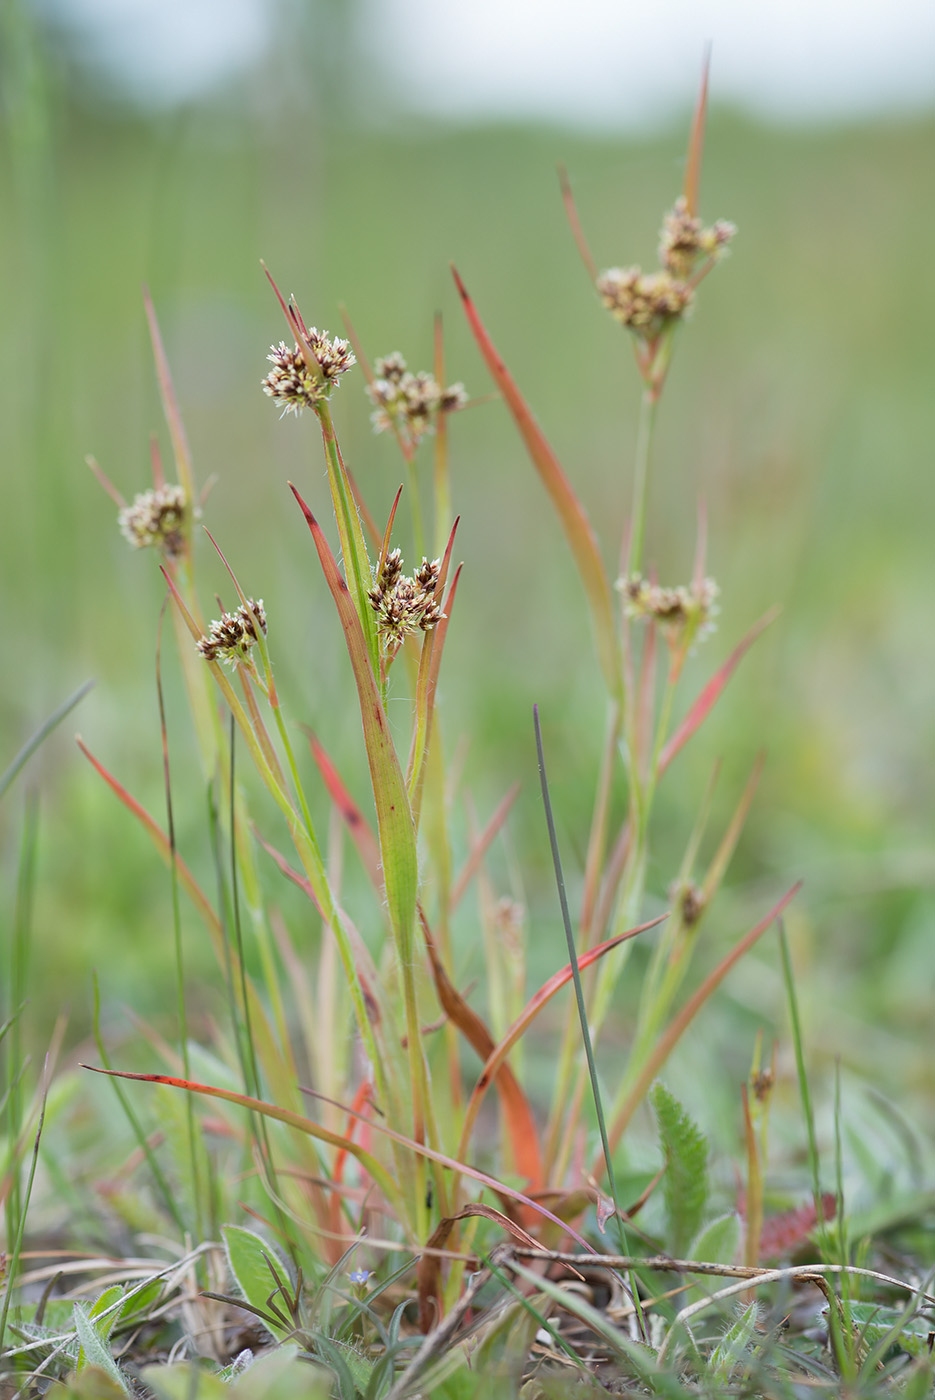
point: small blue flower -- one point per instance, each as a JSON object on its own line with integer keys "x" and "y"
{"x": 360, "y": 1276}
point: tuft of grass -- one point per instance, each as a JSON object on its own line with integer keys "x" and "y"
{"x": 333, "y": 1121}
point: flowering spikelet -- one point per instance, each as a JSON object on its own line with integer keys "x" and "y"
{"x": 412, "y": 402}
{"x": 647, "y": 302}
{"x": 156, "y": 518}
{"x": 404, "y": 605}
{"x": 685, "y": 614}
{"x": 644, "y": 301}
{"x": 684, "y": 240}
{"x": 232, "y": 636}
{"x": 293, "y": 385}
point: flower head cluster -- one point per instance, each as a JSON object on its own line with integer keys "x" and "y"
{"x": 411, "y": 402}
{"x": 404, "y": 605}
{"x": 157, "y": 518}
{"x": 232, "y": 636}
{"x": 644, "y": 301}
{"x": 293, "y": 384}
{"x": 686, "y": 615}
{"x": 690, "y": 902}
{"x": 647, "y": 302}
{"x": 684, "y": 240}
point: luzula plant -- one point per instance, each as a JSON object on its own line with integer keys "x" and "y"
{"x": 391, "y": 1100}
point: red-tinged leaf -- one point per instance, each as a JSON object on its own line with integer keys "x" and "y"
{"x": 368, "y": 848}
{"x": 427, "y": 683}
{"x": 526, "y": 1017}
{"x": 388, "y": 534}
{"x": 712, "y": 693}
{"x": 783, "y": 1234}
{"x": 518, "y": 1120}
{"x": 577, "y": 231}
{"x": 571, "y": 513}
{"x": 677, "y": 1027}
{"x": 463, "y": 1169}
{"x": 394, "y": 817}
{"x": 380, "y": 1175}
{"x": 428, "y": 1273}
{"x": 170, "y": 407}
{"x": 481, "y": 847}
{"x": 696, "y": 142}
{"x": 361, "y": 1100}
{"x": 104, "y": 480}
{"x": 161, "y": 842}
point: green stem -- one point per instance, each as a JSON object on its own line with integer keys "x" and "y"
{"x": 631, "y": 553}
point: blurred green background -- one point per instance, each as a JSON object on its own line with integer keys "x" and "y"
{"x": 799, "y": 408}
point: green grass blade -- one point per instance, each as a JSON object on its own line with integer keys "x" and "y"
{"x": 41, "y": 734}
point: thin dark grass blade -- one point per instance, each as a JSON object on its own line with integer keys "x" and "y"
{"x": 169, "y": 1199}
{"x": 571, "y": 513}
{"x": 582, "y": 1010}
{"x": 712, "y": 693}
{"x": 41, "y": 734}
{"x": 12, "y": 1263}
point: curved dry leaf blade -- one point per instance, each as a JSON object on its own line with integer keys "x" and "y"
{"x": 571, "y": 513}
{"x": 517, "y": 1114}
{"x": 526, "y": 1017}
{"x": 268, "y": 1110}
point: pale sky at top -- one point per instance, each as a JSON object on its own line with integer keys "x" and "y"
{"x": 597, "y": 62}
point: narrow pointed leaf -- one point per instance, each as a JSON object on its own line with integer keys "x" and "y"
{"x": 712, "y": 693}
{"x": 394, "y": 818}
{"x": 161, "y": 841}
{"x": 517, "y": 1115}
{"x": 480, "y": 848}
{"x": 571, "y": 513}
{"x": 170, "y": 406}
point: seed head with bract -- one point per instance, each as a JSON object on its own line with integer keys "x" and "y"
{"x": 157, "y": 519}
{"x": 232, "y": 636}
{"x": 294, "y": 383}
{"x": 686, "y": 615}
{"x": 647, "y": 302}
{"x": 405, "y": 605}
{"x": 411, "y": 402}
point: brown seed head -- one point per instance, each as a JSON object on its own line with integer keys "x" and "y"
{"x": 157, "y": 518}
{"x": 405, "y": 605}
{"x": 686, "y": 615}
{"x": 231, "y": 637}
{"x": 410, "y": 402}
{"x": 293, "y": 385}
{"x": 644, "y": 301}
